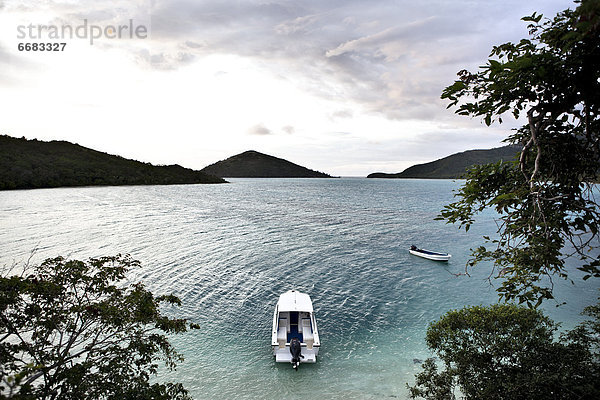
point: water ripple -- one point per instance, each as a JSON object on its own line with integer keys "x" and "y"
{"x": 229, "y": 250}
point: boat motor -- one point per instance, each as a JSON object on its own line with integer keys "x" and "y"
{"x": 296, "y": 350}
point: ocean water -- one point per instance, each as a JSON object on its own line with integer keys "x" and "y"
{"x": 228, "y": 251}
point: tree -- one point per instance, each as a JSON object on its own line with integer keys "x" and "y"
{"x": 545, "y": 199}
{"x": 506, "y": 351}
{"x": 73, "y": 329}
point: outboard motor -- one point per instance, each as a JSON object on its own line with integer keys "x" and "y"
{"x": 295, "y": 349}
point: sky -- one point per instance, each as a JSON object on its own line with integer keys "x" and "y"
{"x": 344, "y": 87}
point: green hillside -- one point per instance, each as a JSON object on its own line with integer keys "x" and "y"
{"x": 455, "y": 165}
{"x": 252, "y": 164}
{"x": 29, "y": 164}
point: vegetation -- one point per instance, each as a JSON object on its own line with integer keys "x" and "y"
{"x": 548, "y": 213}
{"x": 74, "y": 330}
{"x": 509, "y": 352}
{"x": 548, "y": 208}
{"x": 454, "y": 166}
{"x": 29, "y": 164}
{"x": 252, "y": 164}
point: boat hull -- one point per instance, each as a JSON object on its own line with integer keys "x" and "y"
{"x": 294, "y": 320}
{"x": 431, "y": 255}
{"x": 283, "y": 355}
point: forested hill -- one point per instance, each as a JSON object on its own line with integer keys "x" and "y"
{"x": 252, "y": 164}
{"x": 29, "y": 164}
{"x": 455, "y": 165}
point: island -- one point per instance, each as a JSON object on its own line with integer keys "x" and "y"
{"x": 454, "y": 166}
{"x": 252, "y": 164}
{"x": 32, "y": 164}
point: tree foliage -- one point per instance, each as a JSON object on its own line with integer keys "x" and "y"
{"x": 252, "y": 164}
{"x": 30, "y": 164}
{"x": 73, "y": 329}
{"x": 549, "y": 209}
{"x": 509, "y": 352}
{"x": 454, "y": 166}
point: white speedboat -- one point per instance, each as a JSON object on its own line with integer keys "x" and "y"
{"x": 294, "y": 324}
{"x": 431, "y": 255}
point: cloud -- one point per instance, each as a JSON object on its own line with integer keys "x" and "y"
{"x": 164, "y": 61}
{"x": 342, "y": 114}
{"x": 299, "y": 25}
{"x": 365, "y": 42}
{"x": 195, "y": 45}
{"x": 379, "y": 55}
{"x": 14, "y": 69}
{"x": 259, "y": 129}
{"x": 5, "y": 57}
{"x": 262, "y": 130}
{"x": 288, "y": 129}
{"x": 390, "y": 57}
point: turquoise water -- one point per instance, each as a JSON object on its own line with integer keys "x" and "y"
{"x": 228, "y": 251}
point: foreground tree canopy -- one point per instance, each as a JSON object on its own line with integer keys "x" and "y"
{"x": 548, "y": 207}
{"x": 509, "y": 352}
{"x": 74, "y": 330}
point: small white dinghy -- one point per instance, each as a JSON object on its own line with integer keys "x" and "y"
{"x": 295, "y": 338}
{"x": 431, "y": 255}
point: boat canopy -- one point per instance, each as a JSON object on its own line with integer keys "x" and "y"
{"x": 295, "y": 301}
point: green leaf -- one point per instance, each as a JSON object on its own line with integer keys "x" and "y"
{"x": 543, "y": 200}
{"x": 119, "y": 330}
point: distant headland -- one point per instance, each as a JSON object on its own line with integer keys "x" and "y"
{"x": 31, "y": 164}
{"x": 455, "y": 165}
{"x": 252, "y": 164}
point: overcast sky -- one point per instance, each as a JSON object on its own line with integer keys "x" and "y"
{"x": 344, "y": 87}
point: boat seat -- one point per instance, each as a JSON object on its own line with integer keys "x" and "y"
{"x": 282, "y": 332}
{"x": 303, "y": 316}
{"x": 307, "y": 333}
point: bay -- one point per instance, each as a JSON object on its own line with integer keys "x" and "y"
{"x": 229, "y": 250}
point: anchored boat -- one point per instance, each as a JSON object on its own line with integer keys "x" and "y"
{"x": 295, "y": 338}
{"x": 431, "y": 255}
